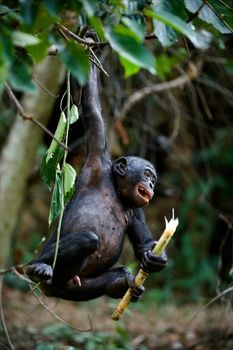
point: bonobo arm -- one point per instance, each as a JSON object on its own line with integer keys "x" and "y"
{"x": 95, "y": 141}
{"x": 143, "y": 243}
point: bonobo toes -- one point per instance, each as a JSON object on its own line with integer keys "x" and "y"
{"x": 136, "y": 291}
{"x": 39, "y": 272}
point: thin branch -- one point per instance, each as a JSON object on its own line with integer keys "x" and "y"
{"x": 89, "y": 43}
{"x": 218, "y": 15}
{"x": 11, "y": 269}
{"x": 192, "y": 73}
{"x": 225, "y": 5}
{"x": 2, "y": 317}
{"x": 220, "y": 295}
{"x": 44, "y": 88}
{"x": 216, "y": 86}
{"x": 58, "y": 318}
{"x": 177, "y": 117}
{"x": 195, "y": 14}
{"x": 28, "y": 117}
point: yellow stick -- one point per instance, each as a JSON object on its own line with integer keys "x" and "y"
{"x": 141, "y": 276}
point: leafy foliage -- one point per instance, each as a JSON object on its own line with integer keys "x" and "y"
{"x": 55, "y": 171}
{"x": 95, "y": 340}
{"x": 36, "y": 26}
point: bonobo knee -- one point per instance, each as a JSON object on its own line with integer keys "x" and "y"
{"x": 90, "y": 241}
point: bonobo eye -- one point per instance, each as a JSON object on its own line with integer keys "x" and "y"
{"x": 147, "y": 173}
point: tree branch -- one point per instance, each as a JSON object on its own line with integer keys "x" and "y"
{"x": 185, "y": 78}
{"x": 30, "y": 118}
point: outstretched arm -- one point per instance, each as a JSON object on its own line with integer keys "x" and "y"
{"x": 95, "y": 140}
{"x": 143, "y": 244}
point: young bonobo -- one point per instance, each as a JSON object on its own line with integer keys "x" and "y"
{"x": 107, "y": 205}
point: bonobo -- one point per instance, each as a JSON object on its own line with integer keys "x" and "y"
{"x": 106, "y": 206}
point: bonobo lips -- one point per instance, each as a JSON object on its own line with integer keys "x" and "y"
{"x": 144, "y": 194}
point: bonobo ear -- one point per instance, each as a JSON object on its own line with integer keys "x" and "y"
{"x": 120, "y": 166}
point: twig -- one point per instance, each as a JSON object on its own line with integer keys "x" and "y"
{"x": 148, "y": 90}
{"x": 216, "y": 86}
{"x": 13, "y": 269}
{"x": 219, "y": 16}
{"x": 177, "y": 117}
{"x": 10, "y": 269}
{"x": 226, "y": 291}
{"x": 58, "y": 318}
{"x": 44, "y": 88}
{"x": 89, "y": 43}
{"x": 195, "y": 14}
{"x": 225, "y": 5}
{"x": 3, "y": 318}
{"x": 28, "y": 117}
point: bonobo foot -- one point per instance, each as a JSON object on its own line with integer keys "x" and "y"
{"x": 136, "y": 292}
{"x": 39, "y": 272}
{"x": 122, "y": 280}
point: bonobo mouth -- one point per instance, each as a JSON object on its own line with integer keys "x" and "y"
{"x": 143, "y": 193}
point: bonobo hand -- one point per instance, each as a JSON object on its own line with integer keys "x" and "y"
{"x": 151, "y": 262}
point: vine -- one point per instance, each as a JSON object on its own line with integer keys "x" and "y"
{"x": 59, "y": 175}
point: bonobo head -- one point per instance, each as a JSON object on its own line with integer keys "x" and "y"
{"x": 135, "y": 180}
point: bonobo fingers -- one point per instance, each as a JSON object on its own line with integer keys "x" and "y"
{"x": 137, "y": 293}
{"x": 39, "y": 272}
{"x": 153, "y": 263}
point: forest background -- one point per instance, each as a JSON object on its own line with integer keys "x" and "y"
{"x": 166, "y": 81}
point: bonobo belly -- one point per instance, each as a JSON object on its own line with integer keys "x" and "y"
{"x": 108, "y": 220}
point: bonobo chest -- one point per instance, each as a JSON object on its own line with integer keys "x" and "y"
{"x": 96, "y": 207}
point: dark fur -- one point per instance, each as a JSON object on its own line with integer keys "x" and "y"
{"x": 105, "y": 207}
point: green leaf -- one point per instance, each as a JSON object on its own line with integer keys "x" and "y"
{"x": 56, "y": 201}
{"x": 129, "y": 68}
{"x": 124, "y": 31}
{"x": 20, "y": 76}
{"x": 75, "y": 59}
{"x": 131, "y": 50}
{"x": 74, "y": 114}
{"x": 59, "y": 134}
{"x": 53, "y": 6}
{"x": 69, "y": 181}
{"x": 39, "y": 51}
{"x": 211, "y": 13}
{"x": 89, "y": 6}
{"x": 24, "y": 39}
{"x": 48, "y": 168}
{"x": 175, "y": 23}
{"x": 95, "y": 23}
{"x": 54, "y": 154}
{"x": 4, "y": 67}
{"x": 136, "y": 27}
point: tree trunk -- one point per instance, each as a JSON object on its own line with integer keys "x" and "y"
{"x": 18, "y": 154}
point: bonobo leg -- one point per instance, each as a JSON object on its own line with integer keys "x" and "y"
{"x": 73, "y": 249}
{"x": 113, "y": 282}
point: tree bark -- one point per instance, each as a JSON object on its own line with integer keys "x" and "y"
{"x": 19, "y": 151}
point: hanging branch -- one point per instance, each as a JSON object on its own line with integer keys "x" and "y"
{"x": 58, "y": 318}
{"x": 2, "y": 318}
{"x": 22, "y": 113}
{"x": 185, "y": 78}
{"x": 62, "y": 173}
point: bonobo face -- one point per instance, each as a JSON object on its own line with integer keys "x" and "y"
{"x": 135, "y": 179}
